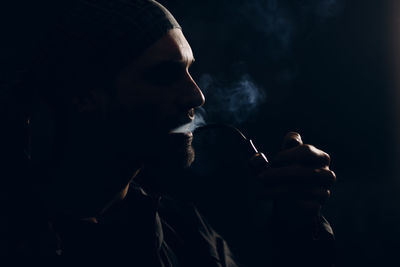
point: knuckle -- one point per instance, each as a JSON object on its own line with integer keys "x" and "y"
{"x": 330, "y": 176}
{"x": 325, "y": 175}
{"x": 333, "y": 176}
{"x": 308, "y": 149}
{"x": 326, "y": 158}
{"x": 293, "y": 133}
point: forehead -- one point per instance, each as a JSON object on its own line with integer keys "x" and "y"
{"x": 171, "y": 47}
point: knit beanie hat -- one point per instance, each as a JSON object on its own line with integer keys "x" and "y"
{"x": 95, "y": 38}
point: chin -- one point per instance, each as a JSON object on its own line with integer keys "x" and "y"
{"x": 179, "y": 152}
{"x": 188, "y": 157}
{"x": 173, "y": 151}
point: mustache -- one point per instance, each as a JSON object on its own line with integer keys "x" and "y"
{"x": 150, "y": 124}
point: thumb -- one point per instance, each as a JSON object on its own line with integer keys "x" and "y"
{"x": 291, "y": 139}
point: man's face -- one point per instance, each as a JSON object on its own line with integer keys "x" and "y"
{"x": 155, "y": 95}
{"x": 112, "y": 135}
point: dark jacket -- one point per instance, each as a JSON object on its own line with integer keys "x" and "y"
{"x": 141, "y": 230}
{"x": 151, "y": 231}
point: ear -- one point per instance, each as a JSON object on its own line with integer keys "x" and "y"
{"x": 94, "y": 101}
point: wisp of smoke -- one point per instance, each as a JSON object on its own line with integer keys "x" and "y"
{"x": 227, "y": 103}
{"x": 233, "y": 103}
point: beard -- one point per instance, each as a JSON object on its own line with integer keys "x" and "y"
{"x": 155, "y": 148}
{"x": 164, "y": 156}
{"x": 165, "y": 164}
{"x": 171, "y": 152}
{"x": 142, "y": 138}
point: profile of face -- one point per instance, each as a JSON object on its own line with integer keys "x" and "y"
{"x": 157, "y": 94}
{"x": 113, "y": 135}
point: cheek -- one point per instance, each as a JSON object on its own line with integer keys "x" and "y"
{"x": 150, "y": 99}
{"x": 141, "y": 112}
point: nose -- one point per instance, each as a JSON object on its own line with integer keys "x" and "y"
{"x": 192, "y": 96}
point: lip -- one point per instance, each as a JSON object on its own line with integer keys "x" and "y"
{"x": 191, "y": 114}
{"x": 187, "y": 120}
{"x": 182, "y": 120}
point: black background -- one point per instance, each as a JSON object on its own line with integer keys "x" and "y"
{"x": 330, "y": 83}
{"x": 324, "y": 70}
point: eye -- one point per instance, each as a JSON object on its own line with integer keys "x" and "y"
{"x": 194, "y": 71}
{"x": 164, "y": 74}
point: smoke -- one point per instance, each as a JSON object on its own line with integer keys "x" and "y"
{"x": 199, "y": 120}
{"x": 231, "y": 103}
{"x": 281, "y": 26}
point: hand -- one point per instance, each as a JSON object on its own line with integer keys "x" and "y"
{"x": 298, "y": 180}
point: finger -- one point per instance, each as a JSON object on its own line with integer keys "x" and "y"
{"x": 306, "y": 154}
{"x": 291, "y": 139}
{"x": 297, "y": 174}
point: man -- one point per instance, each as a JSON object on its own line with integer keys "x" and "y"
{"x": 112, "y": 84}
